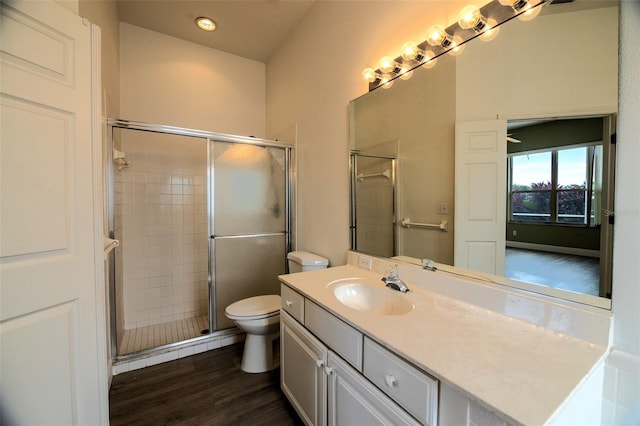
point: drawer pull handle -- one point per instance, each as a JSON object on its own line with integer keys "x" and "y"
{"x": 328, "y": 371}
{"x": 390, "y": 380}
{"x": 319, "y": 363}
{"x": 288, "y": 303}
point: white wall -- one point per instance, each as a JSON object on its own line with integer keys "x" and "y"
{"x": 104, "y": 14}
{"x": 622, "y": 380}
{"x": 500, "y": 78}
{"x": 626, "y": 262}
{"x": 165, "y": 80}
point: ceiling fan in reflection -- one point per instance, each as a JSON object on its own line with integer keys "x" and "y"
{"x": 512, "y": 140}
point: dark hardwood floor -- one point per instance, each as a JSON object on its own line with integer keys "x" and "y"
{"x": 203, "y": 389}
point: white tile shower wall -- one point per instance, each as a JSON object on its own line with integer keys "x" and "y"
{"x": 164, "y": 228}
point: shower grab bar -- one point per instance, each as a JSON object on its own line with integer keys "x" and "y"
{"x": 386, "y": 173}
{"x": 406, "y": 222}
{"x": 266, "y": 234}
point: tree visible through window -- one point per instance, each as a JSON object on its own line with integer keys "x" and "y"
{"x": 555, "y": 186}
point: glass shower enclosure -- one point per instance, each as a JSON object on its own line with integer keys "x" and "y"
{"x": 373, "y": 204}
{"x": 203, "y": 220}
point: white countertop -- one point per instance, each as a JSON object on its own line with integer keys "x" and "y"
{"x": 522, "y": 371}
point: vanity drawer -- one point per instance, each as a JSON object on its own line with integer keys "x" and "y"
{"x": 343, "y": 339}
{"x": 411, "y": 388}
{"x": 292, "y": 302}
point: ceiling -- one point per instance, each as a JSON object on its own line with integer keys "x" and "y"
{"x": 253, "y": 29}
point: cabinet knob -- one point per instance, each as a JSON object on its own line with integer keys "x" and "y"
{"x": 390, "y": 380}
{"x": 288, "y": 303}
{"x": 319, "y": 362}
{"x": 328, "y": 371}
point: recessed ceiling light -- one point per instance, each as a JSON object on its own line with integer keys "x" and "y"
{"x": 206, "y": 24}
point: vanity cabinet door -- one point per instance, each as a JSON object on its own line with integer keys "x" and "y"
{"x": 353, "y": 400}
{"x": 303, "y": 380}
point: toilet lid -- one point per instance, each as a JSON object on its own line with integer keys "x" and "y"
{"x": 254, "y": 306}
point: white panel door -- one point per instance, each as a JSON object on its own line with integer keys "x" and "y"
{"x": 480, "y": 195}
{"x": 50, "y": 259}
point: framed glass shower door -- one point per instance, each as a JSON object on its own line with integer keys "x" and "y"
{"x": 373, "y": 204}
{"x": 203, "y": 220}
{"x": 159, "y": 215}
{"x": 249, "y": 221}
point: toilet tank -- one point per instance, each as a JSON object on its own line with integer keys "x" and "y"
{"x": 300, "y": 261}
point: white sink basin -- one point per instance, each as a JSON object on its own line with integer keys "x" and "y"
{"x": 378, "y": 300}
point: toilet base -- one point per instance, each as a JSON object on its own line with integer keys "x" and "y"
{"x": 261, "y": 353}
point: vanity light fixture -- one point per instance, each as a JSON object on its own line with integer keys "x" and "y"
{"x": 429, "y": 60}
{"x": 438, "y": 36}
{"x": 471, "y": 18}
{"x": 517, "y": 5}
{"x": 370, "y": 75}
{"x": 206, "y": 24}
{"x": 481, "y": 22}
{"x": 388, "y": 65}
{"x": 406, "y": 72}
{"x": 457, "y": 46}
{"x": 529, "y": 13}
{"x": 490, "y": 32}
{"x": 411, "y": 52}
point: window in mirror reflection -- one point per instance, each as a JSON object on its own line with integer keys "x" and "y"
{"x": 557, "y": 186}
{"x": 531, "y": 187}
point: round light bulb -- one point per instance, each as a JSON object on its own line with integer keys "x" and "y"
{"x": 429, "y": 60}
{"x": 409, "y": 51}
{"x": 407, "y": 75}
{"x": 438, "y": 37}
{"x": 471, "y": 18}
{"x": 515, "y": 4}
{"x": 386, "y": 82}
{"x": 456, "y": 46}
{"x": 369, "y": 74}
{"x": 206, "y": 24}
{"x": 530, "y": 13}
{"x": 490, "y": 32}
{"x": 388, "y": 64}
{"x": 405, "y": 72}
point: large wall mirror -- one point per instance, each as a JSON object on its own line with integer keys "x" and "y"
{"x": 546, "y": 92}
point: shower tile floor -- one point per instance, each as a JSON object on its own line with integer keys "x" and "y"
{"x": 141, "y": 338}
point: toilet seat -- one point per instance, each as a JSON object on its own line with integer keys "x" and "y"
{"x": 257, "y": 307}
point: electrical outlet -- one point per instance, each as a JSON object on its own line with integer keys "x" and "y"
{"x": 443, "y": 208}
{"x": 515, "y": 233}
{"x": 365, "y": 262}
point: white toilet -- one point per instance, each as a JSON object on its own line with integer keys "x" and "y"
{"x": 259, "y": 317}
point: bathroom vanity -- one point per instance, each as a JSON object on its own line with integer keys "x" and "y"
{"x": 336, "y": 374}
{"x": 453, "y": 350}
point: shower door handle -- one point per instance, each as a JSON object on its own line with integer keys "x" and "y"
{"x": 110, "y": 244}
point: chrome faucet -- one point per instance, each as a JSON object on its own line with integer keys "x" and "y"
{"x": 393, "y": 281}
{"x": 428, "y": 264}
